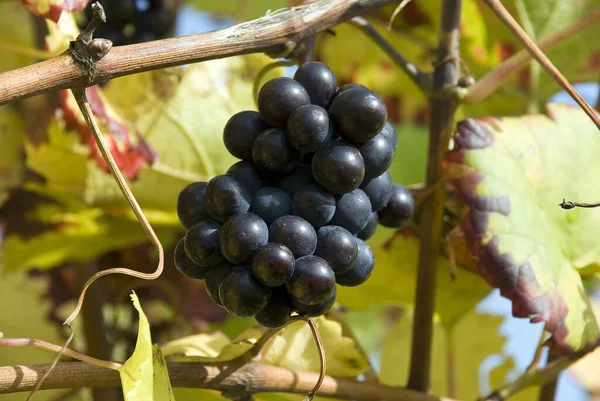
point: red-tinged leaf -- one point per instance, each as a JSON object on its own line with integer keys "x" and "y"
{"x": 130, "y": 150}
{"x": 52, "y": 9}
{"x": 511, "y": 173}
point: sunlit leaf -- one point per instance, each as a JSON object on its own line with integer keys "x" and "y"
{"x": 394, "y": 282}
{"x": 512, "y": 173}
{"x": 239, "y": 9}
{"x": 144, "y": 376}
{"x": 17, "y": 36}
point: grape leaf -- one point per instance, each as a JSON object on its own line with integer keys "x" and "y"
{"x": 586, "y": 371}
{"x": 393, "y": 282}
{"x": 18, "y": 36}
{"x": 53, "y": 9}
{"x": 144, "y": 376}
{"x": 512, "y": 173}
{"x": 241, "y": 10}
{"x": 27, "y": 317}
{"x": 292, "y": 348}
{"x": 12, "y": 160}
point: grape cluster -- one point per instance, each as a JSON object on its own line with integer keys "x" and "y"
{"x": 131, "y": 21}
{"x": 276, "y": 233}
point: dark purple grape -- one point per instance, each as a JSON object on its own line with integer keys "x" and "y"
{"x": 248, "y": 175}
{"x": 358, "y": 114}
{"x": 277, "y": 311}
{"x": 377, "y": 154}
{"x": 349, "y": 86}
{"x": 241, "y": 236}
{"x": 274, "y": 153}
{"x": 118, "y": 13}
{"x": 309, "y": 129}
{"x": 158, "y": 20}
{"x": 337, "y": 246}
{"x": 390, "y": 133}
{"x": 319, "y": 82}
{"x": 225, "y": 196}
{"x": 379, "y": 190}
{"x": 190, "y": 204}
{"x": 241, "y": 131}
{"x": 242, "y": 294}
{"x": 362, "y": 268}
{"x": 185, "y": 265}
{"x": 399, "y": 209}
{"x": 314, "y": 204}
{"x": 313, "y": 280}
{"x": 273, "y": 264}
{"x": 271, "y": 203}
{"x": 213, "y": 279}
{"x": 352, "y": 211}
{"x": 314, "y": 310}
{"x": 370, "y": 228}
{"x": 338, "y": 168}
{"x": 201, "y": 243}
{"x": 299, "y": 177}
{"x": 278, "y": 98}
{"x": 295, "y": 233}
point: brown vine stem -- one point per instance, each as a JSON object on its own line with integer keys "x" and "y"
{"x": 239, "y": 380}
{"x": 570, "y": 205}
{"x": 441, "y": 124}
{"x": 421, "y": 79}
{"x": 275, "y": 34}
{"x": 492, "y": 80}
{"x": 541, "y": 58}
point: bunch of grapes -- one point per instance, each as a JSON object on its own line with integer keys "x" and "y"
{"x": 276, "y": 233}
{"x": 131, "y": 21}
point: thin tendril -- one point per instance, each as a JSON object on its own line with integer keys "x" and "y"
{"x": 261, "y": 74}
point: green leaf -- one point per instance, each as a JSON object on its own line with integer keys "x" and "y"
{"x": 12, "y": 160}
{"x": 17, "y": 35}
{"x": 512, "y": 173}
{"x": 393, "y": 282}
{"x": 144, "y": 376}
{"x": 293, "y": 348}
{"x": 241, "y": 10}
{"x": 43, "y": 229}
{"x": 25, "y": 314}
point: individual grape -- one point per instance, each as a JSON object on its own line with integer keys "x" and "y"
{"x": 225, "y": 196}
{"x": 352, "y": 211}
{"x": 277, "y": 311}
{"x": 202, "y": 243}
{"x": 185, "y": 265}
{"x": 241, "y": 131}
{"x": 399, "y": 209}
{"x": 271, "y": 203}
{"x": 158, "y": 20}
{"x": 379, "y": 190}
{"x": 241, "y": 236}
{"x": 315, "y": 310}
{"x": 313, "y": 280}
{"x": 120, "y": 13}
{"x": 337, "y": 247}
{"x": 357, "y": 114}
{"x": 273, "y": 264}
{"x": 390, "y": 133}
{"x": 349, "y": 86}
{"x": 362, "y": 268}
{"x": 377, "y": 154}
{"x": 338, "y": 168}
{"x": 314, "y": 204}
{"x": 274, "y": 153}
{"x": 242, "y": 294}
{"x": 296, "y": 233}
{"x": 190, "y": 204}
{"x": 248, "y": 175}
{"x": 278, "y": 98}
{"x": 308, "y": 128}
{"x": 213, "y": 279}
{"x": 319, "y": 82}
{"x": 299, "y": 177}
{"x": 370, "y": 228}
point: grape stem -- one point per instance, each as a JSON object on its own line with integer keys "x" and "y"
{"x": 421, "y": 79}
{"x": 270, "y": 34}
{"x": 570, "y": 205}
{"x": 501, "y": 12}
